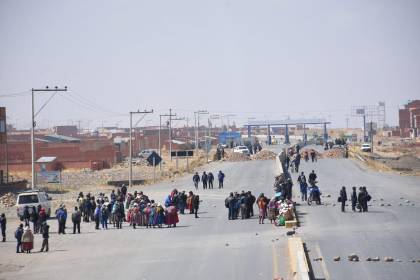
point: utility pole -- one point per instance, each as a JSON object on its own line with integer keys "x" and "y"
{"x": 160, "y": 128}
{"x": 33, "y": 123}
{"x": 199, "y": 112}
{"x": 130, "y": 176}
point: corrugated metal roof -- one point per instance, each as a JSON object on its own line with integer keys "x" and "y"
{"x": 61, "y": 138}
{"x": 46, "y": 159}
{"x": 286, "y": 122}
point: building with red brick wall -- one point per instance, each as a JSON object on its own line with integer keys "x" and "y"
{"x": 409, "y": 119}
{"x": 86, "y": 154}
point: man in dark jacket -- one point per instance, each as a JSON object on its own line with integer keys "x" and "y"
{"x": 76, "y": 218}
{"x": 312, "y": 177}
{"x": 353, "y": 199}
{"x": 221, "y": 177}
{"x": 204, "y": 179}
{"x": 196, "y": 180}
{"x": 18, "y": 236}
{"x": 361, "y": 198}
{"x": 3, "y": 226}
{"x": 45, "y": 236}
{"x": 297, "y": 162}
{"x": 303, "y": 186}
{"x": 230, "y": 202}
{"x": 211, "y": 179}
{"x": 196, "y": 204}
{"x": 252, "y": 200}
{"x": 343, "y": 198}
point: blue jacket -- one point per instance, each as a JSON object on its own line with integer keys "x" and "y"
{"x": 61, "y": 215}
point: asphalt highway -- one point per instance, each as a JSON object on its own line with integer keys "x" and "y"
{"x": 210, "y": 247}
{"x": 385, "y": 231}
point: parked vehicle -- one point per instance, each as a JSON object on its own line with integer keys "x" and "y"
{"x": 366, "y": 147}
{"x": 241, "y": 150}
{"x": 33, "y": 198}
{"x": 146, "y": 153}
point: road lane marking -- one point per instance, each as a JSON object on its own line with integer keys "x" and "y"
{"x": 323, "y": 264}
{"x": 275, "y": 262}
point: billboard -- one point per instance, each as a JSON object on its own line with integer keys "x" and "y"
{"x": 49, "y": 177}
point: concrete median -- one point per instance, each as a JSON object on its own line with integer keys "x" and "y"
{"x": 298, "y": 262}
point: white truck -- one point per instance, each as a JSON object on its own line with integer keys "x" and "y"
{"x": 33, "y": 198}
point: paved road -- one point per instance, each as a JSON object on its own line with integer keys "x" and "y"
{"x": 384, "y": 231}
{"x": 196, "y": 249}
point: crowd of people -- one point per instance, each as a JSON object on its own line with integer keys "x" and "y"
{"x": 359, "y": 201}
{"x": 207, "y": 180}
{"x": 134, "y": 208}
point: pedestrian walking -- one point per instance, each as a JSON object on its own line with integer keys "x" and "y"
{"x": 26, "y": 216}
{"x": 221, "y": 178}
{"x": 211, "y": 179}
{"x": 353, "y": 199}
{"x": 45, "y": 236}
{"x": 18, "y": 236}
{"x": 196, "y": 180}
{"x": 303, "y": 186}
{"x": 3, "y": 227}
{"x": 76, "y": 218}
{"x": 204, "y": 179}
{"x": 343, "y": 198}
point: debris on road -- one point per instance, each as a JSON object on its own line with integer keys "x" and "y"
{"x": 8, "y": 200}
{"x": 291, "y": 232}
{"x": 388, "y": 259}
{"x": 353, "y": 258}
{"x": 337, "y": 259}
{"x": 376, "y": 259}
{"x": 369, "y": 259}
{"x": 264, "y": 155}
{"x": 317, "y": 259}
{"x": 231, "y": 156}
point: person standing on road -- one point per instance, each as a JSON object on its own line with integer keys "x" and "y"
{"x": 3, "y": 227}
{"x": 367, "y": 198}
{"x": 353, "y": 200}
{"x": 76, "y": 218}
{"x": 262, "y": 202}
{"x": 211, "y": 179}
{"x": 18, "y": 236}
{"x": 250, "y": 205}
{"x": 97, "y": 216}
{"x": 182, "y": 202}
{"x": 204, "y": 179}
{"x": 196, "y": 180}
{"x": 312, "y": 177}
{"x": 343, "y": 199}
{"x": 26, "y": 215}
{"x": 221, "y": 177}
{"x": 45, "y": 236}
{"x": 303, "y": 186}
{"x": 196, "y": 204}
{"x": 313, "y": 155}
{"x": 230, "y": 204}
{"x": 297, "y": 162}
{"x": 27, "y": 240}
{"x": 61, "y": 218}
{"x": 287, "y": 162}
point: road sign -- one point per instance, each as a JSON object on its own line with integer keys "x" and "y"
{"x": 182, "y": 153}
{"x": 154, "y": 159}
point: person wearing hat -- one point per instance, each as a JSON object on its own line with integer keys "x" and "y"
{"x": 76, "y": 218}
{"x": 27, "y": 240}
{"x": 18, "y": 236}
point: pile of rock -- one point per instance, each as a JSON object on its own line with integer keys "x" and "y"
{"x": 231, "y": 156}
{"x": 264, "y": 155}
{"x": 8, "y": 200}
{"x": 333, "y": 153}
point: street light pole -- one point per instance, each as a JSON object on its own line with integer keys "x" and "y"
{"x": 33, "y": 124}
{"x": 130, "y": 175}
{"x": 199, "y": 112}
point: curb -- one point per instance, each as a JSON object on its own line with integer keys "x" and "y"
{"x": 298, "y": 260}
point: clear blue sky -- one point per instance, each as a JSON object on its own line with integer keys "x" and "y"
{"x": 262, "y": 59}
